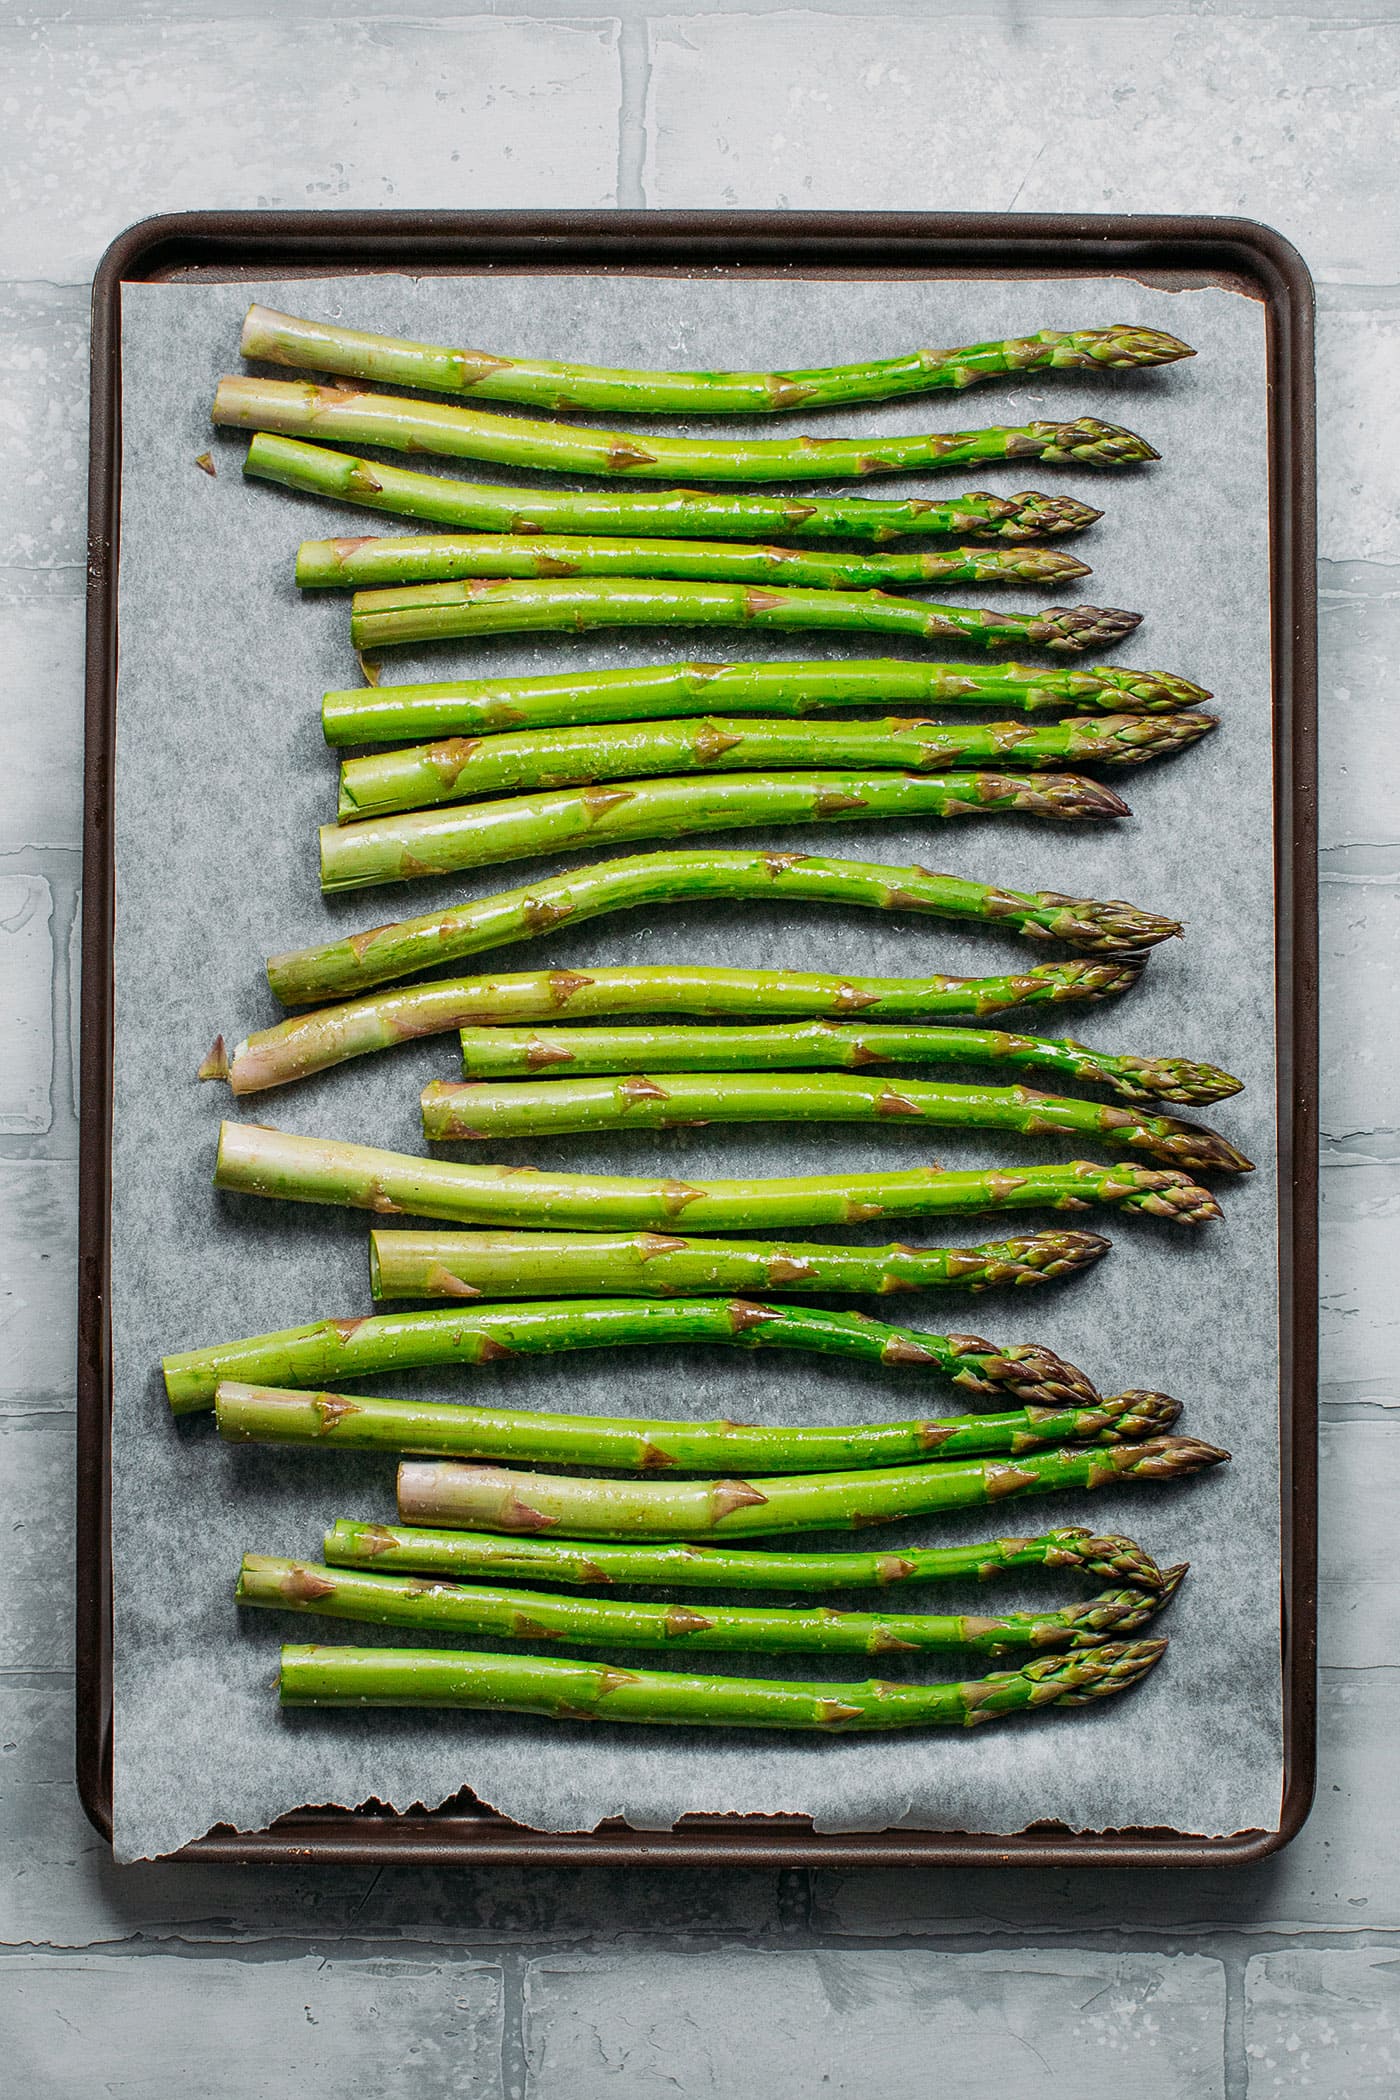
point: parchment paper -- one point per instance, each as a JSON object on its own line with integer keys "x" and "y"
{"x": 221, "y": 780}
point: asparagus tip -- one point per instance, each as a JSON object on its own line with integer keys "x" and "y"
{"x": 1166, "y": 1457}
{"x": 1142, "y": 1414}
{"x": 1204, "y": 1151}
{"x": 1172, "y": 1079}
{"x": 1107, "y": 1555}
{"x": 1070, "y": 628}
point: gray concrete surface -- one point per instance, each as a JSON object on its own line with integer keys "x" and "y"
{"x": 161, "y": 1980}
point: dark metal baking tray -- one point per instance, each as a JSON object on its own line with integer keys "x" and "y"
{"x": 216, "y": 247}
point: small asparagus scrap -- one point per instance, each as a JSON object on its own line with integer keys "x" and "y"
{"x": 640, "y": 881}
{"x": 569, "y": 820}
{"x": 257, "y": 1161}
{"x": 454, "y": 1110}
{"x": 491, "y": 506}
{"x": 435, "y": 612}
{"x": 370, "y": 563}
{"x": 456, "y": 768}
{"x": 659, "y": 1265}
{"x": 494, "y": 1498}
{"x": 646, "y": 692}
{"x": 588, "y": 1691}
{"x": 356, "y": 1348}
{"x": 344, "y": 415}
{"x": 314, "y": 1041}
{"x": 482, "y": 1556}
{"x": 525, "y": 1053}
{"x": 260, "y": 1414}
{"x": 320, "y": 346}
{"x": 450, "y": 1608}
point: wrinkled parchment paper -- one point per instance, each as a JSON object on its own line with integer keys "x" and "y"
{"x": 222, "y": 779}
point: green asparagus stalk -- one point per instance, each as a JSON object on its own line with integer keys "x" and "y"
{"x": 257, "y": 1161}
{"x": 642, "y": 692}
{"x": 658, "y": 1265}
{"x": 536, "y": 1615}
{"x": 454, "y": 1110}
{"x": 295, "y": 408}
{"x": 589, "y": 1691}
{"x": 436, "y": 612}
{"x": 330, "y": 1350}
{"x": 312, "y": 1042}
{"x": 477, "y": 1555}
{"x": 643, "y": 880}
{"x": 523, "y": 1053}
{"x": 488, "y": 506}
{"x": 493, "y": 1498}
{"x": 569, "y": 820}
{"x": 364, "y": 564}
{"x": 260, "y": 1414}
{"x": 458, "y": 767}
{"x": 321, "y": 346}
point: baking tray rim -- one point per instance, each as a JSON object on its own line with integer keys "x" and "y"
{"x": 1169, "y": 248}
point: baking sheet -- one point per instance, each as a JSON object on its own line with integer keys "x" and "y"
{"x": 221, "y": 780}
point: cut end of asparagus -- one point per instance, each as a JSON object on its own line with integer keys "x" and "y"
{"x": 259, "y": 338}
{"x": 216, "y": 1064}
{"x": 1070, "y": 628}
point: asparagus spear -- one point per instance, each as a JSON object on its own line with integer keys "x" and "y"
{"x": 312, "y": 1042}
{"x": 321, "y": 346}
{"x": 259, "y": 1414}
{"x": 330, "y": 1350}
{"x": 477, "y": 1554}
{"x": 658, "y": 1265}
{"x": 519, "y": 1053}
{"x": 641, "y": 692}
{"x": 444, "y": 557}
{"x": 258, "y": 1161}
{"x": 475, "y": 1108}
{"x": 477, "y": 506}
{"x": 493, "y": 1498}
{"x": 295, "y": 408}
{"x": 435, "y": 612}
{"x": 579, "y": 1691}
{"x": 536, "y": 1615}
{"x": 567, "y": 820}
{"x": 359, "y": 960}
{"x": 457, "y": 767}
